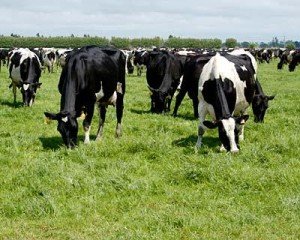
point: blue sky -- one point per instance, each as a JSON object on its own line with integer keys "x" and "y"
{"x": 244, "y": 20}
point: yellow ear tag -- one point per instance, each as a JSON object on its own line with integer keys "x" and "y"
{"x": 82, "y": 116}
{"x": 47, "y": 120}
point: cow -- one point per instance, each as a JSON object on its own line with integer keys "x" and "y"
{"x": 3, "y": 56}
{"x": 61, "y": 55}
{"x": 25, "y": 71}
{"x": 49, "y": 59}
{"x": 163, "y": 76}
{"x": 227, "y": 87}
{"x": 295, "y": 60}
{"x": 91, "y": 75}
{"x": 285, "y": 58}
{"x": 140, "y": 59}
{"x": 192, "y": 69}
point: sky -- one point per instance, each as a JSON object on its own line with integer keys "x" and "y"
{"x": 251, "y": 20}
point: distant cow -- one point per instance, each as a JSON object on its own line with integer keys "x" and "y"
{"x": 227, "y": 87}
{"x": 49, "y": 60}
{"x": 140, "y": 59}
{"x": 25, "y": 71}
{"x": 61, "y": 55}
{"x": 163, "y": 76}
{"x": 285, "y": 58}
{"x": 91, "y": 75}
{"x": 3, "y": 56}
{"x": 295, "y": 60}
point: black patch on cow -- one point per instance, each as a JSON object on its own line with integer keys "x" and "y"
{"x": 220, "y": 94}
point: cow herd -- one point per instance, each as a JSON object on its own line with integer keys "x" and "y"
{"x": 222, "y": 84}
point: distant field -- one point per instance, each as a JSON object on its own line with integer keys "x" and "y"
{"x": 150, "y": 184}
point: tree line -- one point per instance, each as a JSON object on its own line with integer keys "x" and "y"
{"x": 126, "y": 43}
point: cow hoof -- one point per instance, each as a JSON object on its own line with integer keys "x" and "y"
{"x": 234, "y": 151}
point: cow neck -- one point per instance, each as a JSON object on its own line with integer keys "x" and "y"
{"x": 258, "y": 88}
{"x": 167, "y": 80}
{"x": 68, "y": 97}
{"x": 221, "y": 107}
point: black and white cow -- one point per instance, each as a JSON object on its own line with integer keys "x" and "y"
{"x": 295, "y": 60}
{"x": 163, "y": 77}
{"x": 227, "y": 87}
{"x": 25, "y": 71}
{"x": 285, "y": 58}
{"x": 49, "y": 59}
{"x": 140, "y": 59}
{"x": 61, "y": 55}
{"x": 3, "y": 56}
{"x": 91, "y": 75}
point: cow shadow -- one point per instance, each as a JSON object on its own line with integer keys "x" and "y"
{"x": 136, "y": 111}
{"x": 11, "y": 104}
{"x": 191, "y": 140}
{"x": 55, "y": 143}
{"x": 51, "y": 143}
{"x": 188, "y": 117}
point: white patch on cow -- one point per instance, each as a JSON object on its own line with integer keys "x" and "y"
{"x": 229, "y": 126}
{"x": 31, "y": 102}
{"x": 119, "y": 88}
{"x": 87, "y": 135}
{"x": 64, "y": 119}
{"x": 100, "y": 94}
{"x": 244, "y": 68}
{"x": 113, "y": 99}
{"x": 25, "y": 87}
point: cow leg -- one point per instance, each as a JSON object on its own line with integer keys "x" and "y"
{"x": 195, "y": 106}
{"x": 48, "y": 69}
{"x": 102, "y": 113}
{"x": 14, "y": 92}
{"x": 87, "y": 123}
{"x": 119, "y": 109}
{"x": 201, "y": 128}
{"x": 179, "y": 99}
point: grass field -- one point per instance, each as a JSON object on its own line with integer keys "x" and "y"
{"x": 150, "y": 184}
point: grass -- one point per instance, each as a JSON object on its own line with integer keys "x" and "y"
{"x": 150, "y": 184}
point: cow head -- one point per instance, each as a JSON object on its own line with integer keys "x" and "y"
{"x": 229, "y": 130}
{"x": 260, "y": 104}
{"x": 67, "y": 126}
{"x": 28, "y": 91}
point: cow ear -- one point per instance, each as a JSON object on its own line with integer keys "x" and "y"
{"x": 210, "y": 124}
{"x": 51, "y": 116}
{"x": 271, "y": 97}
{"x": 242, "y": 119}
{"x": 38, "y": 85}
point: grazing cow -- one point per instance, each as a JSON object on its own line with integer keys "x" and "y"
{"x": 285, "y": 58}
{"x": 264, "y": 55}
{"x": 49, "y": 60}
{"x": 295, "y": 60}
{"x": 91, "y": 75}
{"x": 163, "y": 76}
{"x": 3, "y": 56}
{"x": 227, "y": 87}
{"x": 25, "y": 71}
{"x": 140, "y": 59}
{"x": 192, "y": 69}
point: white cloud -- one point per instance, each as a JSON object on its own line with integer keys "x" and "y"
{"x": 247, "y": 21}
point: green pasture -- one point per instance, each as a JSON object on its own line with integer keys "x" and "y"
{"x": 150, "y": 184}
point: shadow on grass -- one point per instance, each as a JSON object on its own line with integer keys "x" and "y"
{"x": 191, "y": 140}
{"x": 11, "y": 104}
{"x": 55, "y": 143}
{"x": 140, "y": 111}
{"x": 52, "y": 143}
{"x": 189, "y": 117}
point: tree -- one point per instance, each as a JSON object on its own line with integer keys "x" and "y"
{"x": 245, "y": 44}
{"x": 290, "y": 45}
{"x": 231, "y": 43}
